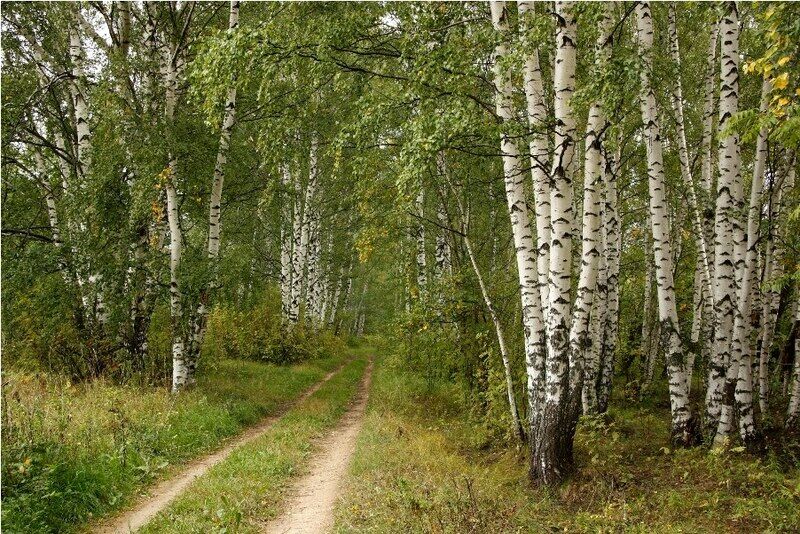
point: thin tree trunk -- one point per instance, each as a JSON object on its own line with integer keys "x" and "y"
{"x": 215, "y": 208}
{"x": 772, "y": 271}
{"x": 297, "y": 253}
{"x": 419, "y": 234}
{"x": 683, "y": 152}
{"x": 667, "y": 311}
{"x": 307, "y": 229}
{"x": 498, "y": 326}
{"x": 286, "y": 244}
{"x": 793, "y": 412}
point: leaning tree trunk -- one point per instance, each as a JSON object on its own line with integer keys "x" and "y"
{"x": 659, "y": 222}
{"x": 773, "y": 270}
{"x": 524, "y": 243}
{"x": 703, "y": 270}
{"x": 498, "y": 325}
{"x": 683, "y": 154}
{"x": 579, "y": 340}
{"x": 724, "y": 246}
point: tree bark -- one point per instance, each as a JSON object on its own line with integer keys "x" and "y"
{"x": 725, "y": 255}
{"x": 665, "y": 288}
{"x": 525, "y": 246}
{"x": 537, "y": 122}
{"x": 741, "y": 352}
{"x": 552, "y": 454}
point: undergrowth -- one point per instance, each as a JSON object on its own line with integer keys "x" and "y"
{"x": 426, "y": 462}
{"x": 75, "y": 451}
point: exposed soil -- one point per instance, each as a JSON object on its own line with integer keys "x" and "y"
{"x": 309, "y": 508}
{"x": 163, "y": 493}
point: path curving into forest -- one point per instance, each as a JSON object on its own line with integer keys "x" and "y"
{"x": 309, "y": 508}
{"x": 160, "y": 496}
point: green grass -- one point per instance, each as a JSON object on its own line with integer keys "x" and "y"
{"x": 245, "y": 490}
{"x": 422, "y": 464}
{"x": 71, "y": 453}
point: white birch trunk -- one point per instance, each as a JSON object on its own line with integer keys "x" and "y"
{"x": 297, "y": 253}
{"x": 612, "y": 243}
{"x": 524, "y": 243}
{"x": 706, "y": 153}
{"x": 667, "y": 311}
{"x": 537, "y": 120}
{"x": 724, "y": 247}
{"x": 419, "y": 234}
{"x": 683, "y": 152}
{"x": 286, "y": 244}
{"x": 773, "y": 270}
{"x": 181, "y": 370}
{"x": 579, "y": 340}
{"x": 594, "y": 348}
{"x": 443, "y": 256}
{"x": 214, "y": 221}
{"x": 79, "y": 97}
{"x": 741, "y": 352}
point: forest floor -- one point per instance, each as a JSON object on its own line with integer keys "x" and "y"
{"x": 425, "y": 462}
{"x": 397, "y": 451}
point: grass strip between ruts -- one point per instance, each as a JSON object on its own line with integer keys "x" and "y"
{"x": 245, "y": 490}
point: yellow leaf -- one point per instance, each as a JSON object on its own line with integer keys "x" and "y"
{"x": 783, "y": 101}
{"x": 781, "y": 81}
{"x": 784, "y": 60}
{"x": 797, "y": 91}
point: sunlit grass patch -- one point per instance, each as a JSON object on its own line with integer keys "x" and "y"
{"x": 72, "y": 452}
{"x": 423, "y": 465}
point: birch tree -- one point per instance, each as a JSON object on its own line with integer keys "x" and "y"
{"x": 659, "y": 222}
{"x": 526, "y": 250}
{"x": 728, "y": 189}
{"x": 591, "y": 249}
{"x": 539, "y": 153}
